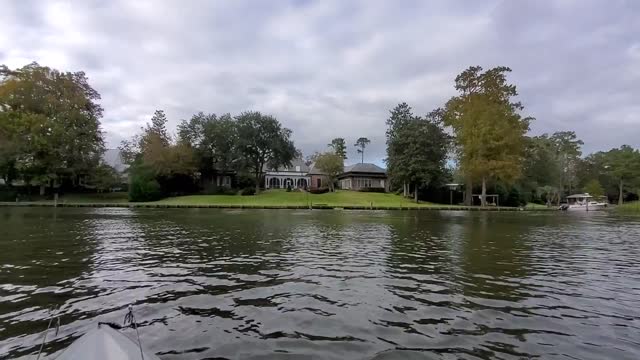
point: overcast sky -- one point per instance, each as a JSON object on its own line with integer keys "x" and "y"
{"x": 330, "y": 69}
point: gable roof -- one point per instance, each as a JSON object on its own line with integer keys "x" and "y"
{"x": 295, "y": 162}
{"x": 315, "y": 171}
{"x": 364, "y": 168}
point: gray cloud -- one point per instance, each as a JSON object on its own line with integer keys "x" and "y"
{"x": 335, "y": 68}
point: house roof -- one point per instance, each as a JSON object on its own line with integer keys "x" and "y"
{"x": 364, "y": 168}
{"x": 295, "y": 162}
{"x": 315, "y": 171}
{"x": 578, "y": 196}
{"x": 113, "y": 158}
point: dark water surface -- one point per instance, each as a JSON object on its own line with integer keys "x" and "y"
{"x": 258, "y": 284}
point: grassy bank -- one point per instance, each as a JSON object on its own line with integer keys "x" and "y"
{"x": 297, "y": 198}
{"x": 632, "y": 207}
{"x": 266, "y": 199}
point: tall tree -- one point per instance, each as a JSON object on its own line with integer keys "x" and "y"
{"x": 361, "y": 144}
{"x": 568, "y": 150}
{"x": 158, "y": 127}
{"x": 339, "y": 147}
{"x": 623, "y": 165}
{"x": 416, "y": 155}
{"x": 467, "y": 83}
{"x": 262, "y": 141}
{"x": 488, "y": 127}
{"x": 541, "y": 168}
{"x": 399, "y": 117}
{"x": 332, "y": 165}
{"x": 214, "y": 140}
{"x": 54, "y": 119}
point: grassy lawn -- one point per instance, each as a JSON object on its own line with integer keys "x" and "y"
{"x": 277, "y": 198}
{"x": 632, "y": 207}
{"x": 296, "y": 198}
{"x": 114, "y": 197}
{"x": 536, "y": 206}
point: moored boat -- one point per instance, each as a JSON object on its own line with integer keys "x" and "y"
{"x": 583, "y": 202}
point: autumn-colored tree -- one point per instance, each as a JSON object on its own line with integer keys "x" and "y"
{"x": 489, "y": 131}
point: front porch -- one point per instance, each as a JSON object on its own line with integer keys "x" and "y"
{"x": 285, "y": 181}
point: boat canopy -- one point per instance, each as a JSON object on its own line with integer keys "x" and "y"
{"x": 580, "y": 196}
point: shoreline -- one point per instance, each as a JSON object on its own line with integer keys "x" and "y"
{"x": 272, "y": 207}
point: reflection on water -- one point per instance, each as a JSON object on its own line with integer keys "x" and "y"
{"x": 249, "y": 284}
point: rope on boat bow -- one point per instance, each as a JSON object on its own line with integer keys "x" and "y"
{"x": 57, "y": 326}
{"x": 129, "y": 318}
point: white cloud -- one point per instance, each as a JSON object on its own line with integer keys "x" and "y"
{"x": 335, "y": 68}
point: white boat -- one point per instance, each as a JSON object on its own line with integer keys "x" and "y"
{"x": 105, "y": 343}
{"x": 583, "y": 202}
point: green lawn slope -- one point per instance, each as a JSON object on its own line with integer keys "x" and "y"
{"x": 631, "y": 207}
{"x": 297, "y": 198}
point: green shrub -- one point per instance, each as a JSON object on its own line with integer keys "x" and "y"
{"x": 144, "y": 186}
{"x": 248, "y": 191}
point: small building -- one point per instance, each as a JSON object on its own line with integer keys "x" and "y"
{"x": 294, "y": 176}
{"x": 318, "y": 178}
{"x": 363, "y": 176}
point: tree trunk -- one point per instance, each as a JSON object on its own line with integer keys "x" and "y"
{"x": 42, "y": 188}
{"x": 405, "y": 192}
{"x": 483, "y": 196}
{"x": 620, "y": 195}
{"x": 468, "y": 197}
{"x": 415, "y": 193}
{"x": 257, "y": 183}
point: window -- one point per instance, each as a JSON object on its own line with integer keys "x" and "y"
{"x": 363, "y": 183}
{"x": 298, "y": 168}
{"x": 319, "y": 182}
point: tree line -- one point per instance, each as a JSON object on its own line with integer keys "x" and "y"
{"x": 479, "y": 138}
{"x": 50, "y": 136}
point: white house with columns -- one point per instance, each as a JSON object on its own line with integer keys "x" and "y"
{"x": 295, "y": 176}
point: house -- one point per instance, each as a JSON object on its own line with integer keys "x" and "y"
{"x": 318, "y": 178}
{"x": 294, "y": 176}
{"x": 363, "y": 176}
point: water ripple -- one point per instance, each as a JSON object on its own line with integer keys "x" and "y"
{"x": 216, "y": 284}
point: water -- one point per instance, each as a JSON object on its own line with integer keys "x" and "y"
{"x": 214, "y": 284}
